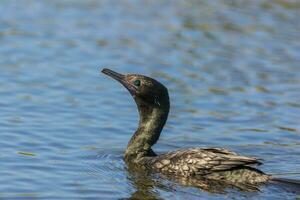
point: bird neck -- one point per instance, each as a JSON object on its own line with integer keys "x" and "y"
{"x": 151, "y": 123}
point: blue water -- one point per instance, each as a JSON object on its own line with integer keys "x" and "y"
{"x": 232, "y": 69}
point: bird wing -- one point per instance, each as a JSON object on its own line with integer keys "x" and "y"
{"x": 202, "y": 160}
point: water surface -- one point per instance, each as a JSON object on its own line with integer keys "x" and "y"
{"x": 232, "y": 69}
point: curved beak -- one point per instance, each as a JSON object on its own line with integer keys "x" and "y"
{"x": 120, "y": 78}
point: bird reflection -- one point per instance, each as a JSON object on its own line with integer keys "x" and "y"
{"x": 144, "y": 183}
{"x": 147, "y": 182}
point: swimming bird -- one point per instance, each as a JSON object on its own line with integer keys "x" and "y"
{"x": 216, "y": 164}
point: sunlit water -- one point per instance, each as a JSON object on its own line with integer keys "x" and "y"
{"x": 232, "y": 69}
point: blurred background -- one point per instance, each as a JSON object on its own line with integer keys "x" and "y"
{"x": 232, "y": 68}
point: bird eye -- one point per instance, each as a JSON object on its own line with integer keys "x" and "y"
{"x": 137, "y": 83}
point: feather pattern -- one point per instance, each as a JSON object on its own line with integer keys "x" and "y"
{"x": 201, "y": 161}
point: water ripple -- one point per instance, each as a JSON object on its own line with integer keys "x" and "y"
{"x": 232, "y": 69}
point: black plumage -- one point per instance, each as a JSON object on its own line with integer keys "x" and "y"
{"x": 193, "y": 166}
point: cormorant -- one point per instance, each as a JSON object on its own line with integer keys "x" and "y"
{"x": 215, "y": 164}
